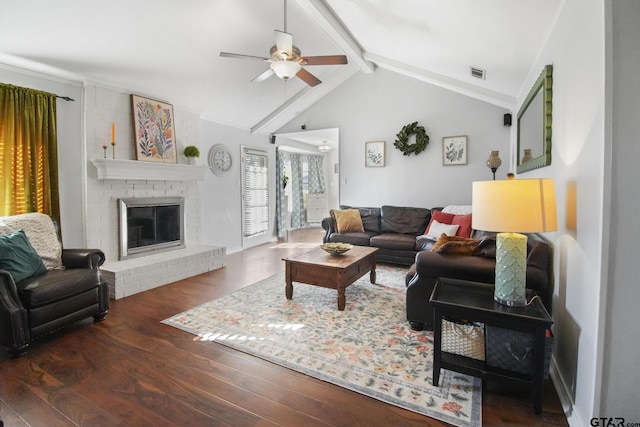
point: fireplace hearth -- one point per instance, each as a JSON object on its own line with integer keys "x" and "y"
{"x": 150, "y": 225}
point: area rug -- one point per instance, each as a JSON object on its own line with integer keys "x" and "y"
{"x": 368, "y": 348}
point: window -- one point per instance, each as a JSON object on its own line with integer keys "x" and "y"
{"x": 255, "y": 193}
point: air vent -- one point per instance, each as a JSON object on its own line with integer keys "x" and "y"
{"x": 478, "y": 73}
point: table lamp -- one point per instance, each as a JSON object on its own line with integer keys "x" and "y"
{"x": 510, "y": 207}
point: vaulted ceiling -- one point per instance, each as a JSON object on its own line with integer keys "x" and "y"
{"x": 169, "y": 49}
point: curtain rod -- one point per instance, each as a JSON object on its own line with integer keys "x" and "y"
{"x": 66, "y": 98}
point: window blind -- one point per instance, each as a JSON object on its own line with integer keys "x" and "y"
{"x": 256, "y": 193}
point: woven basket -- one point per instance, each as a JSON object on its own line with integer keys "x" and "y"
{"x": 465, "y": 340}
{"x": 512, "y": 350}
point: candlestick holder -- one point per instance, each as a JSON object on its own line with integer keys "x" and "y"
{"x": 104, "y": 148}
{"x": 113, "y": 150}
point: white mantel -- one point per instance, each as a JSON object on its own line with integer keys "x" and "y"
{"x": 134, "y": 169}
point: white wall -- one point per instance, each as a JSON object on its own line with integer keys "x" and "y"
{"x": 375, "y": 107}
{"x": 70, "y": 148}
{"x": 221, "y": 199}
{"x": 576, "y": 50}
{"x": 619, "y": 396}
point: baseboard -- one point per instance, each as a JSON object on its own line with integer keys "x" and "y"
{"x": 573, "y": 418}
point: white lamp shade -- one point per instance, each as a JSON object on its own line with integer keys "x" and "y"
{"x": 510, "y": 207}
{"x": 517, "y": 205}
{"x": 285, "y": 69}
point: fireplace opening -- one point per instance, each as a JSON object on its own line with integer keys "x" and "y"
{"x": 150, "y": 225}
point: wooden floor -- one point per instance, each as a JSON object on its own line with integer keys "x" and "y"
{"x": 131, "y": 370}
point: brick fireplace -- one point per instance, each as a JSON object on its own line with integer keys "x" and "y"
{"x": 133, "y": 180}
{"x": 114, "y": 175}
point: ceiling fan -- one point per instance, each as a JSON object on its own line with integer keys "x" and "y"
{"x": 286, "y": 60}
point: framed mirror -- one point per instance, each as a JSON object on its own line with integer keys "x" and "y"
{"x": 534, "y": 124}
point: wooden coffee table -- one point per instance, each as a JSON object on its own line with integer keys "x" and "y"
{"x": 319, "y": 268}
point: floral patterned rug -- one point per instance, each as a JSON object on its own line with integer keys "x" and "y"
{"x": 368, "y": 348}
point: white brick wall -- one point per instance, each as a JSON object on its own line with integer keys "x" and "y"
{"x": 141, "y": 274}
{"x": 106, "y": 106}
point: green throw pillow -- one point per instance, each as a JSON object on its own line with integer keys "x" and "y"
{"x": 18, "y": 257}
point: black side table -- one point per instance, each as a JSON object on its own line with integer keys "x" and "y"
{"x": 474, "y": 301}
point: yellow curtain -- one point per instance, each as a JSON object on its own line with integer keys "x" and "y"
{"x": 28, "y": 152}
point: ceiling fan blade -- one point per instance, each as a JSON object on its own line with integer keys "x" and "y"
{"x": 324, "y": 60}
{"x": 308, "y": 78}
{"x": 284, "y": 42}
{"x": 240, "y": 56}
{"x": 264, "y": 76}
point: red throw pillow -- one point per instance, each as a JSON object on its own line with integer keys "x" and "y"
{"x": 464, "y": 221}
{"x": 442, "y": 218}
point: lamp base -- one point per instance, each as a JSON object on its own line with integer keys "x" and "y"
{"x": 511, "y": 265}
{"x": 509, "y": 303}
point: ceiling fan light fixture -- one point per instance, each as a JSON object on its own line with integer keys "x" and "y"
{"x": 285, "y": 69}
{"x": 324, "y": 148}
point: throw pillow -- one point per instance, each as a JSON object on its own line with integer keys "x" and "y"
{"x": 442, "y": 218}
{"x": 348, "y": 220}
{"x": 457, "y": 215}
{"x": 455, "y": 244}
{"x": 458, "y": 209}
{"x": 464, "y": 221}
{"x": 436, "y": 229}
{"x": 42, "y": 234}
{"x": 18, "y": 257}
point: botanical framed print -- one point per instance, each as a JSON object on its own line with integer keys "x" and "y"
{"x": 454, "y": 150}
{"x": 374, "y": 154}
{"x": 155, "y": 134}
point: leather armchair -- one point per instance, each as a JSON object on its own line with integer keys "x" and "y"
{"x": 41, "y": 304}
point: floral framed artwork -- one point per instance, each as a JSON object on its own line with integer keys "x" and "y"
{"x": 454, "y": 150}
{"x": 374, "y": 154}
{"x": 155, "y": 134}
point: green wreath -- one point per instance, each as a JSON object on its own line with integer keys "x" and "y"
{"x": 402, "y": 143}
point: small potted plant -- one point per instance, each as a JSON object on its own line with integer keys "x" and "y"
{"x": 191, "y": 152}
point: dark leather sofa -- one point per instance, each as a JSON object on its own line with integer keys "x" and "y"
{"x": 41, "y": 304}
{"x": 391, "y": 229}
{"x": 479, "y": 267}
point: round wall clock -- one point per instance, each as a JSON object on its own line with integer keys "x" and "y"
{"x": 220, "y": 160}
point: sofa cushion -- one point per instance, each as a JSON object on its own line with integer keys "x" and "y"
{"x": 455, "y": 266}
{"x": 56, "y": 285}
{"x": 18, "y": 257}
{"x": 370, "y": 217}
{"x": 347, "y": 220}
{"x": 404, "y": 242}
{"x": 358, "y": 239}
{"x": 538, "y": 255}
{"x": 423, "y": 243}
{"x": 404, "y": 220}
{"x": 486, "y": 248}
